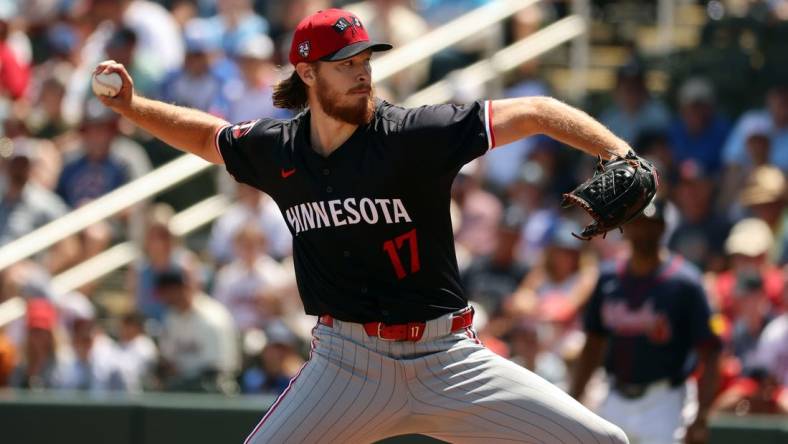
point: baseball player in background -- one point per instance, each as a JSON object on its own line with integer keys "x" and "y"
{"x": 649, "y": 319}
{"x": 364, "y": 186}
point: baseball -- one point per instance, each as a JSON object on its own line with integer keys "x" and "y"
{"x": 106, "y": 84}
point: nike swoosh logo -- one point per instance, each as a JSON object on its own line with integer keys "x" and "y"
{"x": 288, "y": 173}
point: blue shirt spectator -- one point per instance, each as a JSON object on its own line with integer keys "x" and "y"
{"x": 775, "y": 118}
{"x": 95, "y": 171}
{"x": 634, "y": 111}
{"x": 85, "y": 179}
{"x": 699, "y": 132}
{"x": 205, "y": 70}
{"x": 236, "y": 22}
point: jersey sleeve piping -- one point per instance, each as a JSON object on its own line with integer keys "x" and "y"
{"x": 488, "y": 124}
{"x": 216, "y": 140}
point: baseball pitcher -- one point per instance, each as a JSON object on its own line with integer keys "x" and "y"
{"x": 364, "y": 187}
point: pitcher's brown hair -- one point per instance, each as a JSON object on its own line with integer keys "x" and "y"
{"x": 290, "y": 93}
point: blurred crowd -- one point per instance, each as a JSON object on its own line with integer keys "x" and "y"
{"x": 223, "y": 314}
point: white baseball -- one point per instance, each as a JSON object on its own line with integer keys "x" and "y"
{"x": 107, "y": 84}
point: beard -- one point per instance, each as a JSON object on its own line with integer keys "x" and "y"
{"x": 352, "y": 109}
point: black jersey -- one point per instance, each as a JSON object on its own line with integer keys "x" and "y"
{"x": 372, "y": 237}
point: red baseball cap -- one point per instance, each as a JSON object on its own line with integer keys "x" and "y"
{"x": 330, "y": 35}
{"x": 41, "y": 314}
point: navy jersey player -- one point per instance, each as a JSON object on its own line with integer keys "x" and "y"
{"x": 364, "y": 186}
{"x": 648, "y": 320}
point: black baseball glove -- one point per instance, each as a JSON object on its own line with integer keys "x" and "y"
{"x": 619, "y": 191}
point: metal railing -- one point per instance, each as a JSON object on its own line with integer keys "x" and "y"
{"x": 120, "y": 255}
{"x": 502, "y": 61}
{"x": 209, "y": 209}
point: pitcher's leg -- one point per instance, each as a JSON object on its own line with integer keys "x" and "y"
{"x": 334, "y": 393}
{"x": 478, "y": 396}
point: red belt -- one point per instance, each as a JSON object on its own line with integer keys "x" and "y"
{"x": 412, "y": 331}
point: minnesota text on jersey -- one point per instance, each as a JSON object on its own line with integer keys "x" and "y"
{"x": 320, "y": 214}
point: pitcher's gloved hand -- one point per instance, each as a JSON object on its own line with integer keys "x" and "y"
{"x": 619, "y": 191}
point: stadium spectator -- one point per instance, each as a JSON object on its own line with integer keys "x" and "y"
{"x": 699, "y": 132}
{"x": 757, "y": 136}
{"x": 24, "y": 205}
{"x": 555, "y": 289}
{"x": 249, "y": 97}
{"x": 277, "y": 363}
{"x": 481, "y": 212}
{"x": 763, "y": 196}
{"x": 137, "y": 352}
{"x": 701, "y": 230}
{"x": 95, "y": 170}
{"x": 198, "y": 82}
{"x": 634, "y": 110}
{"x": 248, "y": 285}
{"x": 97, "y": 366}
{"x": 748, "y": 246}
{"x": 756, "y": 393}
{"x": 772, "y": 351}
{"x": 45, "y": 361}
{"x": 251, "y": 205}
{"x": 14, "y": 69}
{"x": 531, "y": 193}
{"x": 161, "y": 252}
{"x": 47, "y": 159}
{"x": 775, "y": 118}
{"x": 489, "y": 280}
{"x": 648, "y": 318}
{"x": 753, "y": 311}
{"x": 46, "y": 119}
{"x": 199, "y": 344}
{"x": 26, "y": 279}
{"x": 122, "y": 47}
{"x": 236, "y": 22}
{"x": 103, "y": 162}
{"x": 156, "y": 30}
{"x": 545, "y": 305}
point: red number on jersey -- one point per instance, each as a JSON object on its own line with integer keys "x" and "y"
{"x": 391, "y": 247}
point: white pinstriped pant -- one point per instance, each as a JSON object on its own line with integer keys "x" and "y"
{"x": 361, "y": 389}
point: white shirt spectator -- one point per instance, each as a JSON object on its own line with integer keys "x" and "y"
{"x": 132, "y": 155}
{"x": 238, "y": 287}
{"x": 36, "y": 207}
{"x": 270, "y": 220}
{"x": 137, "y": 359}
{"x": 200, "y": 339}
{"x": 101, "y": 372}
{"x": 158, "y": 34}
{"x": 772, "y": 351}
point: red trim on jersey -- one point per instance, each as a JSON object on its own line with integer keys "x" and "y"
{"x": 284, "y": 393}
{"x": 216, "y": 141}
{"x": 490, "y": 123}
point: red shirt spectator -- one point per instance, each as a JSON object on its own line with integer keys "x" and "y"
{"x": 772, "y": 281}
{"x": 748, "y": 245}
{"x": 14, "y": 76}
